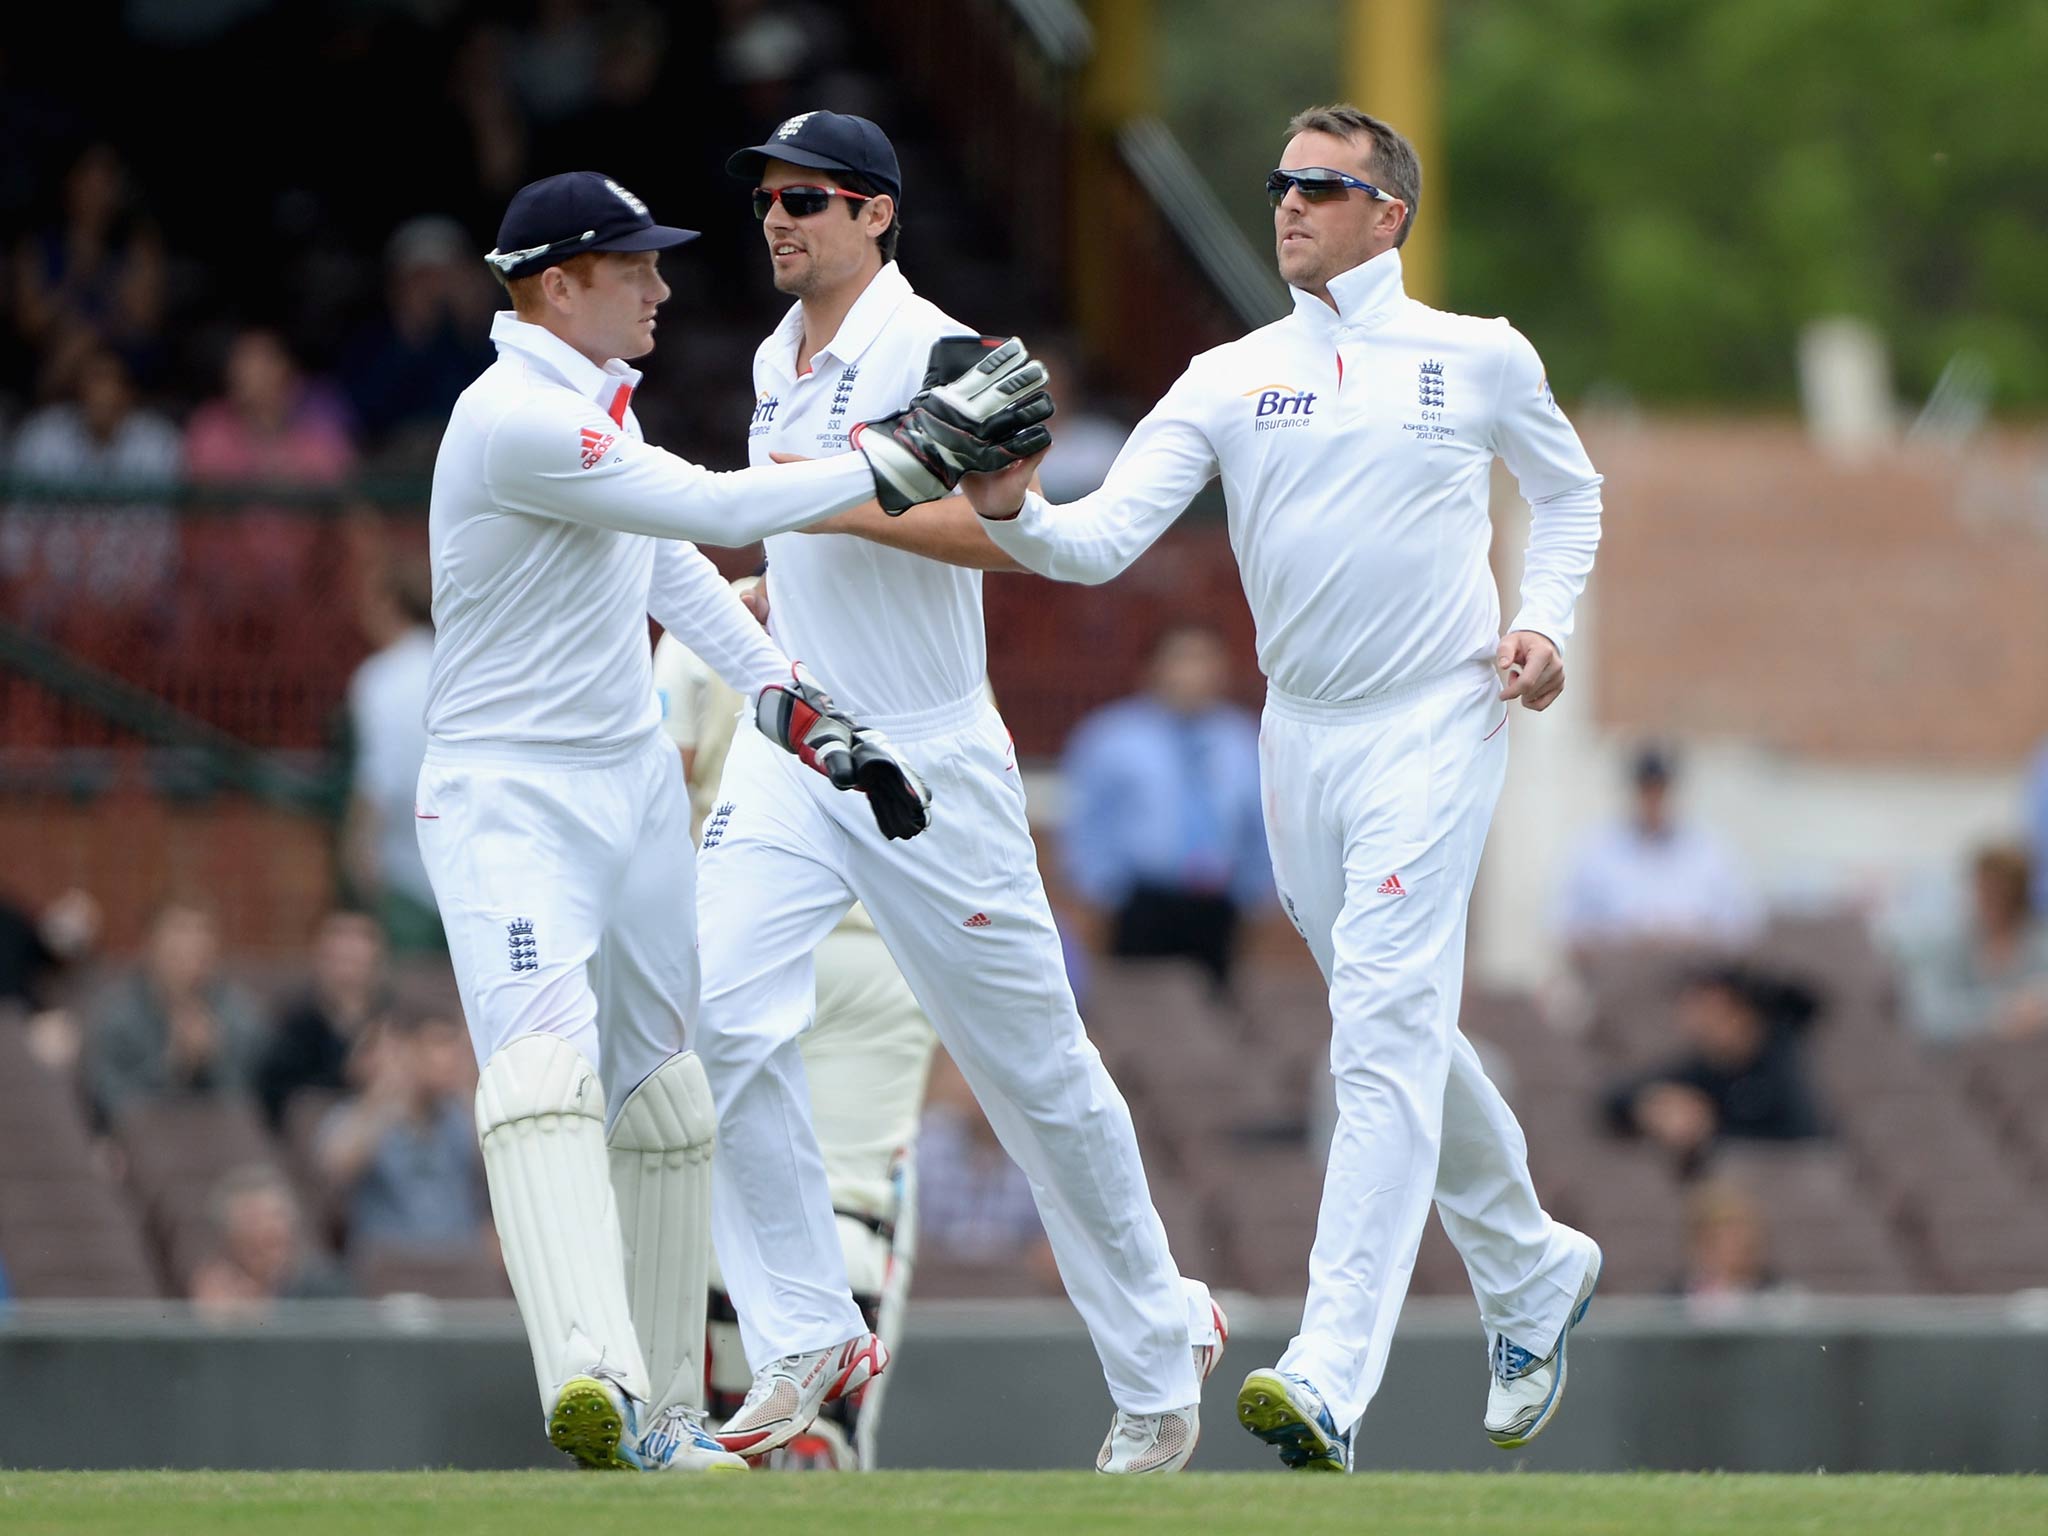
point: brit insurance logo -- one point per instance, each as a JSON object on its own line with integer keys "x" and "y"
{"x": 1280, "y": 406}
{"x": 764, "y": 414}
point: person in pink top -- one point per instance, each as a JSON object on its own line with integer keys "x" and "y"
{"x": 270, "y": 427}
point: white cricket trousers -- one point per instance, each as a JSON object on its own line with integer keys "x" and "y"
{"x": 567, "y": 886}
{"x": 962, "y": 910}
{"x": 1376, "y": 811}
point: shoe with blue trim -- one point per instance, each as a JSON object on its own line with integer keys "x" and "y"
{"x": 677, "y": 1441}
{"x": 1525, "y": 1391}
{"x": 592, "y": 1420}
{"x": 1286, "y": 1412}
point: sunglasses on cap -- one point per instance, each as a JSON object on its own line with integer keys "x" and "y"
{"x": 1318, "y": 184}
{"x": 801, "y": 202}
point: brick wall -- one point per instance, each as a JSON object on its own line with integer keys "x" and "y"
{"x": 1892, "y": 613}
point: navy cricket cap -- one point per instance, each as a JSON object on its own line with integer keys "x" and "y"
{"x": 826, "y": 141}
{"x": 557, "y": 217}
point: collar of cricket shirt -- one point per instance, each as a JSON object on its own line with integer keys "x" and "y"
{"x": 540, "y": 345}
{"x": 1367, "y": 296}
{"x": 874, "y": 309}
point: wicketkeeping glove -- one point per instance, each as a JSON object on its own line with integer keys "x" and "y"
{"x": 983, "y": 414}
{"x": 801, "y": 718}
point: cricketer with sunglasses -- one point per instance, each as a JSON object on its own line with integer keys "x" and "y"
{"x": 550, "y": 809}
{"x": 962, "y": 912}
{"x": 1355, "y": 440}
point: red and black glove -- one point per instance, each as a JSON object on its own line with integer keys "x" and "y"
{"x": 801, "y": 718}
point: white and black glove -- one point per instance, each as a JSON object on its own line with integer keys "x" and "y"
{"x": 980, "y": 411}
{"x": 801, "y": 718}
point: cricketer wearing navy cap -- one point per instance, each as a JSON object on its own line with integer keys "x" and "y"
{"x": 562, "y": 216}
{"x": 827, "y": 141}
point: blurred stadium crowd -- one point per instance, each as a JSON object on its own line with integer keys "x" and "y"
{"x": 218, "y": 392}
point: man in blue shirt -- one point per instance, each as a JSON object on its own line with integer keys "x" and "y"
{"x": 1164, "y": 833}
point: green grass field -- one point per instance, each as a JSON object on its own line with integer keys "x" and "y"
{"x": 1066, "y": 1504}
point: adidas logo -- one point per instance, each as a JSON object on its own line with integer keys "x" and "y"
{"x": 595, "y": 445}
{"x": 979, "y": 920}
{"x": 1392, "y": 886}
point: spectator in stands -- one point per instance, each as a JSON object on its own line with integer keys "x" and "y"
{"x": 100, "y": 269}
{"x": 37, "y": 947}
{"x": 347, "y": 996}
{"x": 270, "y": 427}
{"x": 120, "y": 551}
{"x": 403, "y": 373}
{"x": 387, "y": 706}
{"x": 1988, "y": 977}
{"x": 403, "y": 1154}
{"x": 173, "y": 1025}
{"x": 262, "y": 1257}
{"x": 773, "y": 51}
{"x": 35, "y": 951}
{"x": 1727, "y": 1250}
{"x": 2037, "y": 827}
{"x": 1164, "y": 831}
{"x": 1742, "y": 1073}
{"x": 1653, "y": 878}
{"x": 1090, "y": 438}
{"x": 974, "y": 1205}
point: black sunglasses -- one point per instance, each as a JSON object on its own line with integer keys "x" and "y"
{"x": 1317, "y": 184}
{"x": 801, "y": 202}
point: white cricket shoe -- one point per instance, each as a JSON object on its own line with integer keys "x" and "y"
{"x": 1150, "y": 1442}
{"x": 592, "y": 1420}
{"x": 1207, "y": 1356}
{"x": 1289, "y": 1414}
{"x": 787, "y": 1393}
{"x": 1526, "y": 1391}
{"x": 677, "y": 1441}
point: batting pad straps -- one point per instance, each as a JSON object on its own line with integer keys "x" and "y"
{"x": 660, "y": 1149}
{"x": 540, "y": 1117}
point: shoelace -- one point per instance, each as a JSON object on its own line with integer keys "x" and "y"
{"x": 681, "y": 1426}
{"x": 1510, "y": 1360}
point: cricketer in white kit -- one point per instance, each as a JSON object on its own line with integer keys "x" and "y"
{"x": 1355, "y": 439}
{"x": 866, "y": 1057}
{"x": 962, "y": 911}
{"x": 550, "y": 808}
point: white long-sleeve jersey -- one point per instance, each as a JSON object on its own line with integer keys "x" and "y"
{"x": 1355, "y": 446}
{"x": 554, "y": 529}
{"x": 893, "y": 637}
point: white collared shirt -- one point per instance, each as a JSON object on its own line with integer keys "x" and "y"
{"x": 888, "y": 634}
{"x": 1355, "y": 447}
{"x": 554, "y": 532}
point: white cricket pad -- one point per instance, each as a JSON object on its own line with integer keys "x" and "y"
{"x": 540, "y": 1117}
{"x": 661, "y": 1147}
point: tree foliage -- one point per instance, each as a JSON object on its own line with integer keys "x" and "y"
{"x": 1662, "y": 192}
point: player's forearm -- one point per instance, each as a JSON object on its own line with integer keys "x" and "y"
{"x": 695, "y": 604}
{"x": 1564, "y": 534}
{"x": 1085, "y": 541}
{"x": 744, "y": 506}
{"x": 641, "y": 489}
{"x": 946, "y": 531}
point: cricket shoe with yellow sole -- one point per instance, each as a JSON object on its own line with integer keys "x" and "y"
{"x": 592, "y": 1420}
{"x": 1289, "y": 1414}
